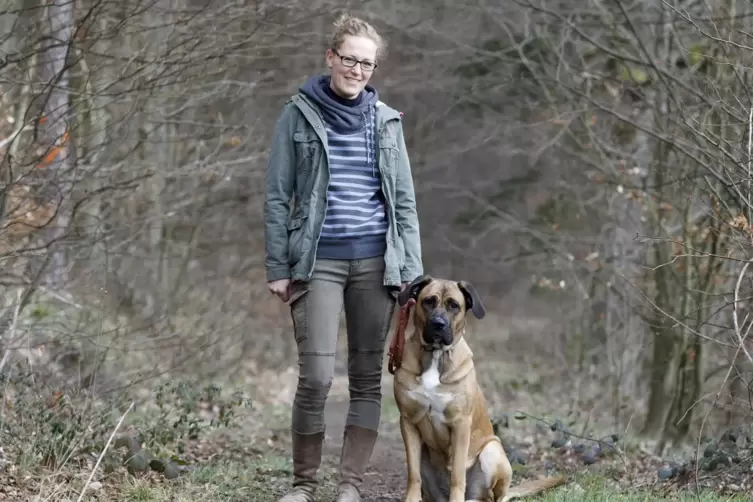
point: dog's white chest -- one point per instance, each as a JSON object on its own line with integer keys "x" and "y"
{"x": 428, "y": 392}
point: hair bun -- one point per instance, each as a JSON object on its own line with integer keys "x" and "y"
{"x": 342, "y": 20}
{"x": 347, "y": 25}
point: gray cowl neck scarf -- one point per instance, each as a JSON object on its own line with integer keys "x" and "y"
{"x": 342, "y": 115}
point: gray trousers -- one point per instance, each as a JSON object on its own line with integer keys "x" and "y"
{"x": 316, "y": 307}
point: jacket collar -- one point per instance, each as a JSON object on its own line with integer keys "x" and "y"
{"x": 384, "y": 113}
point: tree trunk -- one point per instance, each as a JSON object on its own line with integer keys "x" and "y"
{"x": 56, "y": 127}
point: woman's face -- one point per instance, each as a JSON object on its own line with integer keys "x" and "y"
{"x": 348, "y": 82}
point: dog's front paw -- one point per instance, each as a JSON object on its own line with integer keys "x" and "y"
{"x": 413, "y": 494}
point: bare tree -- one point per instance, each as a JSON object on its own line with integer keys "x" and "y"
{"x": 658, "y": 90}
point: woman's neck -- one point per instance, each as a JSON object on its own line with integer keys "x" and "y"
{"x": 344, "y": 101}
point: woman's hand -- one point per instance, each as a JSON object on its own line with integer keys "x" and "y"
{"x": 280, "y": 288}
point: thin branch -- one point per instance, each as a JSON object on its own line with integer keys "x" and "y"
{"x": 104, "y": 450}
{"x": 12, "y": 331}
{"x": 738, "y": 332}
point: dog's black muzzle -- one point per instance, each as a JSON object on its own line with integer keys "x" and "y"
{"x": 437, "y": 331}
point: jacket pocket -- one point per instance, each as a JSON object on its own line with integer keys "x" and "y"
{"x": 306, "y": 144}
{"x": 307, "y": 149}
{"x": 388, "y": 153}
{"x": 296, "y": 237}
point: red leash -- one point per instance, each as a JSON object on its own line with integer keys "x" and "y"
{"x": 398, "y": 341}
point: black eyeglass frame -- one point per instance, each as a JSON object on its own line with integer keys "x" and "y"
{"x": 351, "y": 62}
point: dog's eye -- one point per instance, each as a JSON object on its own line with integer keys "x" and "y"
{"x": 430, "y": 302}
{"x": 452, "y": 304}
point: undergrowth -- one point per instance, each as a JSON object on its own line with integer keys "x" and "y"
{"x": 44, "y": 430}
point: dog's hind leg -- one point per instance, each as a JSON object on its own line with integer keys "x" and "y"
{"x": 496, "y": 469}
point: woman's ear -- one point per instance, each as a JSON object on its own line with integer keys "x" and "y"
{"x": 329, "y": 58}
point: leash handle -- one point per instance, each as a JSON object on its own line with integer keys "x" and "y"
{"x": 398, "y": 341}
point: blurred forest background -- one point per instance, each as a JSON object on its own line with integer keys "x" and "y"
{"x": 585, "y": 164}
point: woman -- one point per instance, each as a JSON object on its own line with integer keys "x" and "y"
{"x": 350, "y": 239}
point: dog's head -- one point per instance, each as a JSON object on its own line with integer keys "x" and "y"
{"x": 440, "y": 310}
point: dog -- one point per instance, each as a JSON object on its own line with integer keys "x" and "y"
{"x": 452, "y": 453}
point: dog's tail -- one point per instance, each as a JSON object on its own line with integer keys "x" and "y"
{"x": 533, "y": 487}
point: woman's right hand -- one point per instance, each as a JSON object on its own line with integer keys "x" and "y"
{"x": 280, "y": 288}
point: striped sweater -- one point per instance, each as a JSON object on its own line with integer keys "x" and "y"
{"x": 355, "y": 225}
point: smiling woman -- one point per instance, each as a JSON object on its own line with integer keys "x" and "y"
{"x": 349, "y": 241}
{"x": 352, "y": 57}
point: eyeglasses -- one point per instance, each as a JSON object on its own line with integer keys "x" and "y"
{"x": 350, "y": 62}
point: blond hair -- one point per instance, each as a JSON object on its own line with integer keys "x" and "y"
{"x": 347, "y": 25}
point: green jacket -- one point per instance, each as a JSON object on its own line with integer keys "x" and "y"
{"x": 298, "y": 169}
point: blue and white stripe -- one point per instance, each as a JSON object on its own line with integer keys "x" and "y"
{"x": 355, "y": 224}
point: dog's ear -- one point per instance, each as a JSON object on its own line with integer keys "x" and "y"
{"x": 413, "y": 289}
{"x": 472, "y": 299}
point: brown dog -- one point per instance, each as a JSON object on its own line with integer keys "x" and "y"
{"x": 451, "y": 450}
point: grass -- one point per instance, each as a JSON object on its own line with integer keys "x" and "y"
{"x": 242, "y": 465}
{"x": 244, "y": 458}
{"x": 246, "y": 468}
{"x": 590, "y": 488}
{"x": 260, "y": 480}
{"x": 263, "y": 479}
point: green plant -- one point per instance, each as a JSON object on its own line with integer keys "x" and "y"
{"x": 54, "y": 427}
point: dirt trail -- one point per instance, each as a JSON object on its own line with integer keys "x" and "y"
{"x": 384, "y": 480}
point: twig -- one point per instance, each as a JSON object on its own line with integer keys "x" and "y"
{"x": 12, "y": 331}
{"x": 673, "y": 318}
{"x": 14, "y": 134}
{"x": 750, "y": 144}
{"x": 706, "y": 416}
{"x": 600, "y": 441}
{"x": 60, "y": 297}
{"x": 738, "y": 332}
{"x": 104, "y": 450}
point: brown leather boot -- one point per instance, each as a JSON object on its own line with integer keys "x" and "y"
{"x": 307, "y": 456}
{"x": 358, "y": 443}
